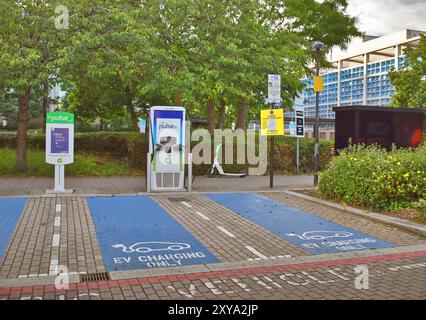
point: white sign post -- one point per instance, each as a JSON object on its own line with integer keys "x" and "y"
{"x": 274, "y": 88}
{"x": 59, "y": 146}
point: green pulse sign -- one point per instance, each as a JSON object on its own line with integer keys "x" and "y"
{"x": 60, "y": 117}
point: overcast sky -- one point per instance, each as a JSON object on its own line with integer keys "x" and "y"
{"x": 379, "y": 17}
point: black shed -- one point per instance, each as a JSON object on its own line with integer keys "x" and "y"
{"x": 377, "y": 124}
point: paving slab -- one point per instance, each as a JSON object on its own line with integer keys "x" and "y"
{"x": 130, "y": 185}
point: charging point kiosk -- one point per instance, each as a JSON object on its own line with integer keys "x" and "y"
{"x": 166, "y": 157}
{"x": 59, "y": 146}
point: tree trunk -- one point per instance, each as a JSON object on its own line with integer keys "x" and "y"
{"x": 131, "y": 108}
{"x": 21, "y": 138}
{"x": 210, "y": 116}
{"x": 242, "y": 109}
{"x": 134, "y": 117}
{"x": 177, "y": 99}
{"x": 222, "y": 114}
{"x": 44, "y": 105}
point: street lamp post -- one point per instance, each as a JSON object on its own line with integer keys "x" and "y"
{"x": 317, "y": 47}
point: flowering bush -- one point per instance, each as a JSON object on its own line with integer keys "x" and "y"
{"x": 371, "y": 177}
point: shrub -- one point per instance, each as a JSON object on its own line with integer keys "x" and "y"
{"x": 128, "y": 146}
{"x": 371, "y": 177}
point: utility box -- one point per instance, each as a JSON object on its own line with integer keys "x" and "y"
{"x": 380, "y": 125}
{"x": 59, "y": 146}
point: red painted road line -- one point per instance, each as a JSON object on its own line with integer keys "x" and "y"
{"x": 212, "y": 274}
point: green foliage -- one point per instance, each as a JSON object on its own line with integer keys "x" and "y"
{"x": 131, "y": 148}
{"x": 420, "y": 206}
{"x": 28, "y": 44}
{"x": 371, "y": 177}
{"x": 285, "y": 154}
{"x": 9, "y": 107}
{"x": 410, "y": 82}
{"x": 84, "y": 165}
{"x": 126, "y": 146}
{"x": 123, "y": 54}
{"x": 121, "y": 57}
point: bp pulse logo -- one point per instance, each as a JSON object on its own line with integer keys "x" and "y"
{"x": 167, "y": 125}
{"x": 60, "y": 118}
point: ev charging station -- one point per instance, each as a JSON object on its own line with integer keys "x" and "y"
{"x": 59, "y": 146}
{"x": 166, "y": 157}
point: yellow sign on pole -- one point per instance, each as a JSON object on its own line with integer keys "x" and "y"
{"x": 272, "y": 122}
{"x": 318, "y": 84}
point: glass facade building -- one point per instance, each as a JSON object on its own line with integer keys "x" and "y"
{"x": 360, "y": 75}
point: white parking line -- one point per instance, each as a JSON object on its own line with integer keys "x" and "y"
{"x": 58, "y": 208}
{"x": 57, "y": 222}
{"x": 56, "y": 240}
{"x": 186, "y": 204}
{"x": 257, "y": 253}
{"x": 202, "y": 215}
{"x": 228, "y": 233}
{"x": 54, "y": 264}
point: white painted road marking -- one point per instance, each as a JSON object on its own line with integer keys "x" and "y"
{"x": 225, "y": 231}
{"x": 186, "y": 204}
{"x": 257, "y": 253}
{"x": 56, "y": 240}
{"x": 408, "y": 266}
{"x": 54, "y": 264}
{"x": 202, "y": 215}
{"x": 58, "y": 208}
{"x": 57, "y": 222}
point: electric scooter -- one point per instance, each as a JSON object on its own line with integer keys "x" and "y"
{"x": 217, "y": 170}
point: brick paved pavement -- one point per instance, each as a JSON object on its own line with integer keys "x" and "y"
{"x": 59, "y": 230}
{"x": 398, "y": 276}
{"x": 53, "y": 231}
{"x": 123, "y": 185}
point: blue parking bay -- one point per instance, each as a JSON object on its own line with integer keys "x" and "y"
{"x": 10, "y": 212}
{"x": 134, "y": 232}
{"x": 310, "y": 232}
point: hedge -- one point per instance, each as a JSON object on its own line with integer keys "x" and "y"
{"x": 128, "y": 146}
{"x": 131, "y": 147}
{"x": 372, "y": 177}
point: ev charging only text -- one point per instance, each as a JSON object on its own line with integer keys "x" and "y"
{"x": 162, "y": 260}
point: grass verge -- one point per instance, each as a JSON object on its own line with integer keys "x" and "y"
{"x": 85, "y": 165}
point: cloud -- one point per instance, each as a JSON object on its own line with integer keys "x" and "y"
{"x": 381, "y": 17}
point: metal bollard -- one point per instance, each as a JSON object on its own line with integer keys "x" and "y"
{"x": 148, "y": 173}
{"x": 189, "y": 172}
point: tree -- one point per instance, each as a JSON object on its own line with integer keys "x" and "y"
{"x": 28, "y": 40}
{"x": 410, "y": 82}
{"x": 111, "y": 61}
{"x": 210, "y": 56}
{"x": 225, "y": 49}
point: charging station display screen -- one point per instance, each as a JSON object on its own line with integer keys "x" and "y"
{"x": 59, "y": 143}
{"x": 168, "y": 140}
